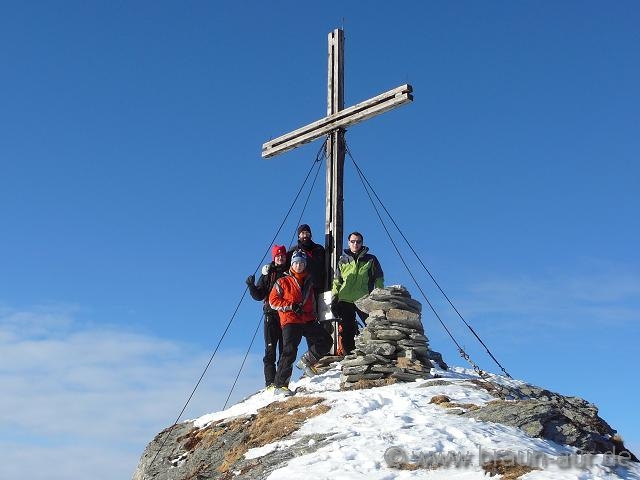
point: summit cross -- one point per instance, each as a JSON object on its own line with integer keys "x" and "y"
{"x": 333, "y": 126}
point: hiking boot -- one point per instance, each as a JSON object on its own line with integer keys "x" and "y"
{"x": 270, "y": 387}
{"x": 306, "y": 363}
{"x": 281, "y": 392}
{"x": 309, "y": 370}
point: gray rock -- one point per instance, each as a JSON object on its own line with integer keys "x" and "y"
{"x": 365, "y": 376}
{"x": 355, "y": 361}
{"x": 406, "y": 318}
{"x": 436, "y": 383}
{"x": 155, "y": 461}
{"x": 381, "y": 359}
{"x": 389, "y": 335}
{"x": 420, "y": 372}
{"x": 428, "y": 364}
{"x": 377, "y": 347}
{"x": 454, "y": 411}
{"x": 564, "y": 420}
{"x": 422, "y": 352}
{"x": 366, "y": 335}
{"x": 390, "y": 291}
{"x": 409, "y": 377}
{"x": 357, "y": 370}
{"x": 418, "y": 337}
{"x": 384, "y": 368}
{"x": 382, "y": 349}
{"x": 367, "y": 304}
{"x": 409, "y": 353}
{"x": 180, "y": 459}
{"x": 406, "y": 343}
{"x": 378, "y": 322}
{"x": 377, "y": 314}
{"x": 436, "y": 357}
{"x": 401, "y": 328}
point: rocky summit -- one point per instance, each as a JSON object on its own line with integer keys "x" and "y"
{"x": 394, "y": 410}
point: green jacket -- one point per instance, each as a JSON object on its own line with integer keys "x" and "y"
{"x": 357, "y": 275}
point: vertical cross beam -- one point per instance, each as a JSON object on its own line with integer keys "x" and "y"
{"x": 335, "y": 151}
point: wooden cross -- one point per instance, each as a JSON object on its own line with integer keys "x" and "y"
{"x": 333, "y": 125}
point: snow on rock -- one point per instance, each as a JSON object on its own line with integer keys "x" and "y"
{"x": 385, "y": 433}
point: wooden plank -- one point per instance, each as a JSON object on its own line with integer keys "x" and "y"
{"x": 343, "y": 113}
{"x": 341, "y": 119}
{"x": 335, "y": 70}
{"x": 335, "y": 161}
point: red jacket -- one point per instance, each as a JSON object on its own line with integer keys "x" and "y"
{"x": 290, "y": 289}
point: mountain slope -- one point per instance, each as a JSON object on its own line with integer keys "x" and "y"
{"x": 421, "y": 429}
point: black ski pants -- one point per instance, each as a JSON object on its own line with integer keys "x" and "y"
{"x": 272, "y": 345}
{"x": 319, "y": 342}
{"x": 348, "y": 312}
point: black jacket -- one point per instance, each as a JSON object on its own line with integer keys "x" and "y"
{"x": 265, "y": 283}
{"x": 315, "y": 262}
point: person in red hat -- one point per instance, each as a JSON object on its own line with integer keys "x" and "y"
{"x": 272, "y": 330}
{"x": 293, "y": 297}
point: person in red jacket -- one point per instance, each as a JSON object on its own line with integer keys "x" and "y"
{"x": 293, "y": 298}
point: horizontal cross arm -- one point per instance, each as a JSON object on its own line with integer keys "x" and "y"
{"x": 342, "y": 119}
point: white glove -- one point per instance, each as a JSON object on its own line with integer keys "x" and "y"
{"x": 266, "y": 268}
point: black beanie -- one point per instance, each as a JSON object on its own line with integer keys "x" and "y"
{"x": 304, "y": 228}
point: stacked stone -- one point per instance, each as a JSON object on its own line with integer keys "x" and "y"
{"x": 393, "y": 344}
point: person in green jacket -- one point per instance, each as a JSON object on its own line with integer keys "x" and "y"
{"x": 358, "y": 273}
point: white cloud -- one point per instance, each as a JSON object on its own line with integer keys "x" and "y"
{"x": 82, "y": 399}
{"x": 596, "y": 298}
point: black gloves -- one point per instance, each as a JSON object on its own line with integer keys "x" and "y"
{"x": 297, "y": 308}
{"x": 251, "y": 279}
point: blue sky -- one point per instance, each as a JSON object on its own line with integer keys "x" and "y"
{"x": 134, "y": 201}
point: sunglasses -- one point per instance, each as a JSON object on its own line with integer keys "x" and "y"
{"x": 355, "y": 241}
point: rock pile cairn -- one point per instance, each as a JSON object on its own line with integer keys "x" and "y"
{"x": 393, "y": 344}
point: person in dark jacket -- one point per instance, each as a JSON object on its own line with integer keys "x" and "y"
{"x": 272, "y": 330}
{"x": 358, "y": 273}
{"x": 315, "y": 258}
{"x": 293, "y": 297}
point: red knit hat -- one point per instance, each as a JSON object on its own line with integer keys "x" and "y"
{"x": 278, "y": 250}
